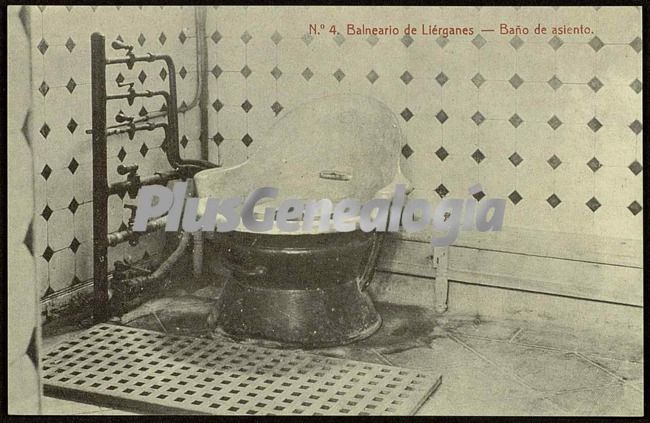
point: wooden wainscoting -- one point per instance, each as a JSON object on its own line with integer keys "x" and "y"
{"x": 570, "y": 265}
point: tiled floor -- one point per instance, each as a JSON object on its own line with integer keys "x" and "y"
{"x": 488, "y": 367}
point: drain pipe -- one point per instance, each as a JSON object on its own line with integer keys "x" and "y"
{"x": 204, "y": 98}
{"x": 197, "y": 253}
{"x": 128, "y": 287}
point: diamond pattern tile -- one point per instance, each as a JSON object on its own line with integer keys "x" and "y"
{"x": 515, "y": 120}
{"x": 307, "y": 74}
{"x": 515, "y": 159}
{"x": 276, "y": 38}
{"x": 28, "y": 241}
{"x": 246, "y": 71}
{"x": 479, "y": 41}
{"x": 636, "y": 127}
{"x": 216, "y": 71}
{"x": 47, "y": 212}
{"x": 339, "y": 75}
{"x": 553, "y": 200}
{"x": 406, "y": 77}
{"x": 46, "y": 172}
{"x": 442, "y": 153}
{"x": 406, "y": 114}
{"x": 276, "y": 72}
{"x": 555, "y": 42}
{"x": 442, "y": 116}
{"x": 594, "y": 164}
{"x": 339, "y": 39}
{"x": 71, "y": 85}
{"x": 73, "y": 166}
{"x": 554, "y": 122}
{"x": 45, "y": 130}
{"x": 595, "y": 84}
{"x": 636, "y": 86}
{"x": 516, "y": 81}
{"x": 43, "y": 46}
{"x": 246, "y": 37}
{"x": 407, "y": 151}
{"x": 442, "y": 190}
{"x": 44, "y": 88}
{"x": 217, "y": 105}
{"x": 554, "y": 161}
{"x": 184, "y": 141}
{"x": 72, "y": 125}
{"x": 407, "y": 40}
{"x": 307, "y": 39}
{"x": 247, "y": 106}
{"x": 372, "y": 76}
{"x": 182, "y": 37}
{"x": 555, "y": 83}
{"x": 594, "y": 124}
{"x": 478, "y": 80}
{"x": 596, "y": 43}
{"x": 478, "y": 156}
{"x": 48, "y": 253}
{"x": 516, "y": 42}
{"x": 73, "y": 206}
{"x": 637, "y": 44}
{"x": 635, "y": 167}
{"x": 478, "y": 118}
{"x": 515, "y": 197}
{"x": 162, "y": 38}
{"x": 443, "y": 41}
{"x": 121, "y": 155}
{"x": 593, "y": 204}
{"x": 247, "y": 140}
{"x": 70, "y": 44}
{"x": 218, "y": 139}
{"x": 635, "y": 208}
{"x": 442, "y": 78}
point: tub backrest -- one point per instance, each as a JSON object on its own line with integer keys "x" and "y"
{"x": 342, "y": 146}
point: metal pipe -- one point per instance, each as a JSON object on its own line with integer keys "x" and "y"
{"x": 172, "y": 109}
{"x": 133, "y": 94}
{"x": 100, "y": 182}
{"x": 204, "y": 97}
{"x": 200, "y": 80}
{"x": 197, "y": 253}
{"x": 159, "y": 178}
{"x": 130, "y": 286}
{"x": 119, "y": 237}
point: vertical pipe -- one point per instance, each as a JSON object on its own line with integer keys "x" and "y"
{"x": 100, "y": 182}
{"x": 202, "y": 52}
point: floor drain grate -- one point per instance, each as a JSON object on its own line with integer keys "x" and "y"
{"x": 159, "y": 373}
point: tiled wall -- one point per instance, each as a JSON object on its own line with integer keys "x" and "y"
{"x": 552, "y": 123}
{"x": 60, "y": 38}
{"x": 23, "y": 381}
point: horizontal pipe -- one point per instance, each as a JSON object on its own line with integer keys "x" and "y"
{"x": 159, "y": 178}
{"x": 118, "y": 237}
{"x": 132, "y": 59}
{"x": 145, "y": 94}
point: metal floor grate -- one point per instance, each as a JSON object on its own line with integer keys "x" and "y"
{"x": 159, "y": 373}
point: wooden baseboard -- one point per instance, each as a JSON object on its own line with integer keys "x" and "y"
{"x": 592, "y": 268}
